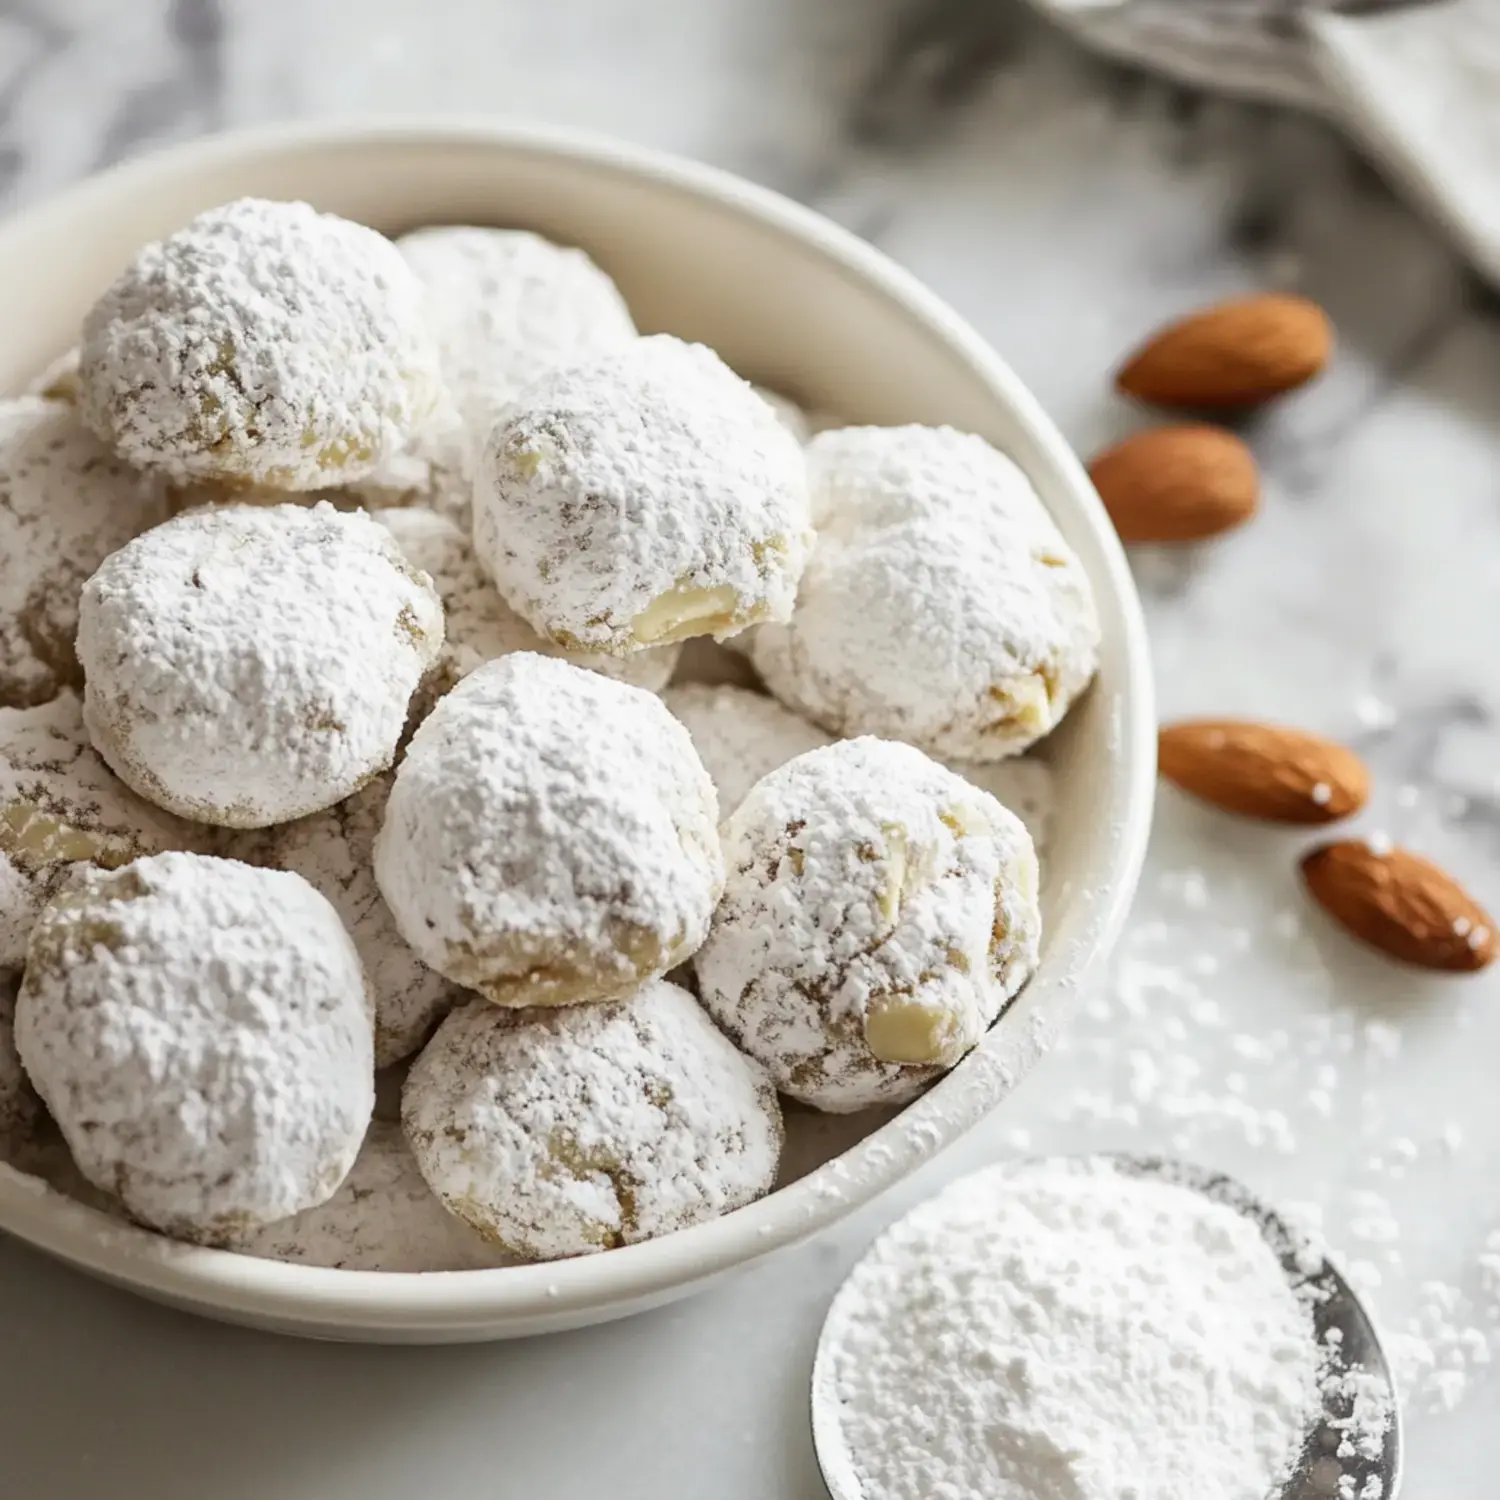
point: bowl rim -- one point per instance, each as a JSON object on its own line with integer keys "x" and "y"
{"x": 228, "y": 1283}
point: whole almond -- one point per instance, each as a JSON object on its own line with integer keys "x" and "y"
{"x": 1231, "y": 355}
{"x": 1263, "y": 771}
{"x": 1402, "y": 904}
{"x": 1176, "y": 484}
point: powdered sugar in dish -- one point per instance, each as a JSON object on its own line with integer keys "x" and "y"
{"x": 384, "y": 1217}
{"x": 878, "y": 913}
{"x": 201, "y": 1033}
{"x": 565, "y": 1132}
{"x": 263, "y": 342}
{"x": 1060, "y": 1329}
{"x": 941, "y": 606}
{"x": 333, "y": 851}
{"x": 479, "y": 625}
{"x": 61, "y": 805}
{"x": 741, "y": 735}
{"x": 551, "y": 836}
{"x": 640, "y": 499}
{"x": 506, "y": 306}
{"x": 1024, "y": 784}
{"x": 250, "y": 665}
{"x": 65, "y": 504}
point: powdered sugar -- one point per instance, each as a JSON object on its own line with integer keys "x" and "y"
{"x": 741, "y": 735}
{"x": 506, "y": 306}
{"x": 201, "y": 1033}
{"x": 1058, "y": 1329}
{"x": 479, "y": 626}
{"x": 384, "y": 1217}
{"x": 640, "y": 499}
{"x": 263, "y": 341}
{"x": 569, "y": 1131}
{"x": 878, "y": 913}
{"x": 333, "y": 851}
{"x": 941, "y": 606}
{"x": 1024, "y": 784}
{"x": 65, "y": 505}
{"x": 60, "y": 804}
{"x": 551, "y": 836}
{"x": 248, "y": 666}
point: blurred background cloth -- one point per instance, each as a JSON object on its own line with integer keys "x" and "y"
{"x": 1416, "y": 83}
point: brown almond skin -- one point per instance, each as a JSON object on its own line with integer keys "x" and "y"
{"x": 1402, "y": 904}
{"x": 1231, "y": 355}
{"x": 1264, "y": 771}
{"x": 1177, "y": 484}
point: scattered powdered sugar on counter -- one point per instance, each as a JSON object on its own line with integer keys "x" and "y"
{"x": 1063, "y": 1330}
{"x": 1236, "y": 1030}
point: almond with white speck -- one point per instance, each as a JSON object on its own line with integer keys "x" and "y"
{"x": 1402, "y": 904}
{"x": 1264, "y": 771}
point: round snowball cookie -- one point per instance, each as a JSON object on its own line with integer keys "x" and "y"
{"x": 878, "y": 913}
{"x": 479, "y": 625}
{"x": 741, "y": 735}
{"x": 551, "y": 837}
{"x": 66, "y": 503}
{"x": 250, "y": 665}
{"x": 61, "y": 807}
{"x": 506, "y": 306}
{"x": 564, "y": 1132}
{"x": 200, "y": 1031}
{"x": 333, "y": 851}
{"x": 640, "y": 499}
{"x": 942, "y": 605}
{"x": 263, "y": 343}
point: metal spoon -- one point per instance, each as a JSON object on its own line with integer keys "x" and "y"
{"x": 1335, "y": 1306}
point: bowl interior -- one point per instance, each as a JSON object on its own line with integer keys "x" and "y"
{"x": 788, "y": 301}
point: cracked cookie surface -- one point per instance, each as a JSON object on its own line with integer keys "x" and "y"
{"x": 565, "y": 1132}
{"x": 878, "y": 913}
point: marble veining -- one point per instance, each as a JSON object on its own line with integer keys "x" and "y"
{"x": 1065, "y": 206}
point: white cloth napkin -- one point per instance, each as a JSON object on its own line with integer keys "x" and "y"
{"x": 1415, "y": 82}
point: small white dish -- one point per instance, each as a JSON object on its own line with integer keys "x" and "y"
{"x": 797, "y": 304}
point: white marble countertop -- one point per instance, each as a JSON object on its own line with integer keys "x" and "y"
{"x": 1064, "y": 207}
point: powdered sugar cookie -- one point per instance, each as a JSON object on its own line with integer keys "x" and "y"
{"x": 640, "y": 499}
{"x": 250, "y": 665}
{"x": 565, "y": 1132}
{"x": 263, "y": 343}
{"x": 741, "y": 735}
{"x": 384, "y": 1217}
{"x": 65, "y": 505}
{"x": 506, "y": 306}
{"x": 935, "y": 546}
{"x": 878, "y": 913}
{"x": 551, "y": 836}
{"x": 200, "y": 1031}
{"x": 60, "y": 806}
{"x": 333, "y": 851}
{"x": 479, "y": 625}
{"x": 20, "y": 1108}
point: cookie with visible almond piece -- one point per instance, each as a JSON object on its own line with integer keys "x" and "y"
{"x": 879, "y": 912}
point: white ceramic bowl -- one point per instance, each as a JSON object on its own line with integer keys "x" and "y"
{"x": 797, "y": 304}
